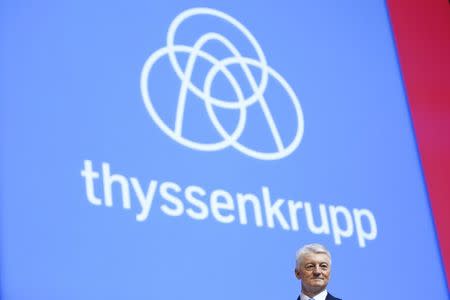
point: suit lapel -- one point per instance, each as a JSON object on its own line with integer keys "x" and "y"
{"x": 330, "y": 297}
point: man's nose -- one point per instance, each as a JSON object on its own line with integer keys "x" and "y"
{"x": 317, "y": 270}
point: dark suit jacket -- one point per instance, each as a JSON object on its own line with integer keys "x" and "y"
{"x": 329, "y": 297}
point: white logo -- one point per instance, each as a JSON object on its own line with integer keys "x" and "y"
{"x": 222, "y": 66}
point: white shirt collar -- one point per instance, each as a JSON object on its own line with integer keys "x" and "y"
{"x": 320, "y": 296}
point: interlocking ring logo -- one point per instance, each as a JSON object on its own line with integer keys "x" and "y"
{"x": 204, "y": 93}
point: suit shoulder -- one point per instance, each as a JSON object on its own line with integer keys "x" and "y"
{"x": 331, "y": 297}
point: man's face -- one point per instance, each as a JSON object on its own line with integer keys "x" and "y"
{"x": 314, "y": 272}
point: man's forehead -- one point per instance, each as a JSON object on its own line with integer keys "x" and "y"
{"x": 315, "y": 258}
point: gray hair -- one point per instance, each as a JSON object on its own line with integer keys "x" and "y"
{"x": 310, "y": 248}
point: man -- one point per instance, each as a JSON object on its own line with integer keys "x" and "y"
{"x": 313, "y": 267}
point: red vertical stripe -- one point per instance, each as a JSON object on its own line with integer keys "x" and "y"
{"x": 422, "y": 34}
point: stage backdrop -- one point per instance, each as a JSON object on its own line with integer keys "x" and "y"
{"x": 186, "y": 149}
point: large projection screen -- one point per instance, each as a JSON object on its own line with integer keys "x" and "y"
{"x": 187, "y": 149}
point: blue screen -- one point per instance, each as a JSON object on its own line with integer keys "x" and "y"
{"x": 187, "y": 149}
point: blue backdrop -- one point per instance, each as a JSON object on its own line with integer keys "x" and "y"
{"x": 299, "y": 132}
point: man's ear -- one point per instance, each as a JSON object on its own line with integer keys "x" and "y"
{"x": 297, "y": 274}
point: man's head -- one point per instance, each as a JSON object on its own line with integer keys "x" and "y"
{"x": 313, "y": 266}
